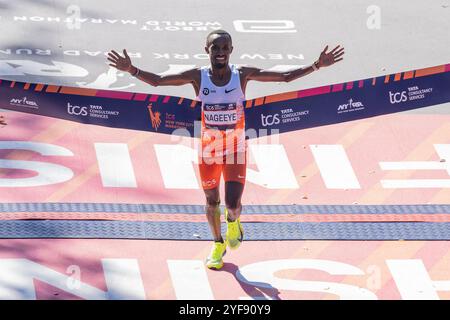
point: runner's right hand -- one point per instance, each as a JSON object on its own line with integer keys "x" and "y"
{"x": 119, "y": 62}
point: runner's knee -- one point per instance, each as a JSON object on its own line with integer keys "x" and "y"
{"x": 233, "y": 204}
{"x": 212, "y": 201}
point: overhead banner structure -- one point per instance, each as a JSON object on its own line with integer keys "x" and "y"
{"x": 264, "y": 116}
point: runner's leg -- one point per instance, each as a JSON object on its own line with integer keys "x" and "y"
{"x": 234, "y": 174}
{"x": 213, "y": 212}
{"x": 233, "y": 195}
{"x": 210, "y": 176}
{"x": 210, "y": 172}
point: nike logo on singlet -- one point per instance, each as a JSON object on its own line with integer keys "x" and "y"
{"x": 228, "y": 91}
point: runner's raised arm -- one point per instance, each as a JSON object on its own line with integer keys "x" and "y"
{"x": 124, "y": 64}
{"x": 325, "y": 59}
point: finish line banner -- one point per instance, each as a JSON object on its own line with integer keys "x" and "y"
{"x": 264, "y": 116}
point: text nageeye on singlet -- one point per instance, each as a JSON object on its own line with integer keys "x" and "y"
{"x": 220, "y": 115}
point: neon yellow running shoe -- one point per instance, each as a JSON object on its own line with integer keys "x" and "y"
{"x": 235, "y": 232}
{"x": 214, "y": 260}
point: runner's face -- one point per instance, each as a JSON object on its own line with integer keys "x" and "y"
{"x": 219, "y": 50}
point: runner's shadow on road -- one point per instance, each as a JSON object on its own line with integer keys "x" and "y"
{"x": 255, "y": 290}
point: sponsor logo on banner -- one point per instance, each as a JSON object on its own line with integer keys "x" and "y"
{"x": 172, "y": 122}
{"x": 270, "y": 120}
{"x": 24, "y": 102}
{"x": 351, "y": 106}
{"x": 96, "y": 111}
{"x": 155, "y": 117}
{"x": 411, "y": 94}
{"x": 76, "y": 110}
{"x": 289, "y": 115}
{"x": 397, "y": 97}
{"x": 93, "y": 111}
{"x": 285, "y": 116}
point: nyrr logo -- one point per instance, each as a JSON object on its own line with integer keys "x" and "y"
{"x": 350, "y": 106}
{"x": 24, "y": 102}
{"x": 397, "y": 97}
{"x": 155, "y": 117}
{"x": 76, "y": 110}
{"x": 270, "y": 120}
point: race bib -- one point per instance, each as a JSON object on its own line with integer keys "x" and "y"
{"x": 221, "y": 116}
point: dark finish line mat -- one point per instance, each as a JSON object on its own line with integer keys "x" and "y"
{"x": 200, "y": 230}
{"x": 82, "y": 220}
{"x": 247, "y": 209}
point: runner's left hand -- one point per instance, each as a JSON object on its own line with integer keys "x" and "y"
{"x": 2, "y": 121}
{"x": 327, "y": 59}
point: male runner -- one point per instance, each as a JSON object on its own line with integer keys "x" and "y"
{"x": 221, "y": 89}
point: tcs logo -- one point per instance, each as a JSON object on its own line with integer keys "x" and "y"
{"x": 209, "y": 183}
{"x": 397, "y": 97}
{"x": 270, "y": 120}
{"x": 76, "y": 110}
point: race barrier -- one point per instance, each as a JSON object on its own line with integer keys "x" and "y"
{"x": 267, "y": 115}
